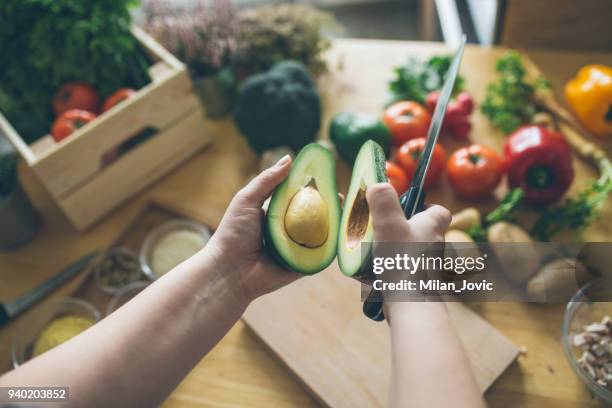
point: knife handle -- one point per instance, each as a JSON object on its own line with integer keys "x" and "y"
{"x": 373, "y": 307}
{"x": 4, "y": 317}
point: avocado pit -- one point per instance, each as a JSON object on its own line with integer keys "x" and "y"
{"x": 306, "y": 218}
{"x": 358, "y": 220}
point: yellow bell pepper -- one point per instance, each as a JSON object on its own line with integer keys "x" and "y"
{"x": 590, "y": 96}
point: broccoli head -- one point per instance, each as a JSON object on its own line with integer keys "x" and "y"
{"x": 279, "y": 107}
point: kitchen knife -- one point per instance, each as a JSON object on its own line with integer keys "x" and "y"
{"x": 413, "y": 199}
{"x": 12, "y": 308}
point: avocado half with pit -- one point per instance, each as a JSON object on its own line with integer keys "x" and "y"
{"x": 356, "y": 232}
{"x": 305, "y": 229}
{"x": 304, "y": 213}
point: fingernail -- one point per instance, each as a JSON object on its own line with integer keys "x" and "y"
{"x": 283, "y": 160}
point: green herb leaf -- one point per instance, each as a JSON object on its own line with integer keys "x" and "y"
{"x": 414, "y": 80}
{"x": 507, "y": 207}
{"x": 509, "y": 102}
{"x": 505, "y": 211}
{"x": 575, "y": 213}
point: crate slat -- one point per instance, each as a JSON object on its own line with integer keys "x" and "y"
{"x": 75, "y": 160}
{"x": 73, "y": 170}
{"x": 134, "y": 171}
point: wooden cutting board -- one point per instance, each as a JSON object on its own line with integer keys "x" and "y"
{"x": 315, "y": 326}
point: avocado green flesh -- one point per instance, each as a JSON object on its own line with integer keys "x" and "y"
{"x": 313, "y": 166}
{"x": 356, "y": 233}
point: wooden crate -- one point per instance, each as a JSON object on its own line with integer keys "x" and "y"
{"x": 84, "y": 175}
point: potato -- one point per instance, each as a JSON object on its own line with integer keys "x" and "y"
{"x": 465, "y": 219}
{"x": 457, "y": 236}
{"x": 519, "y": 262}
{"x": 460, "y": 244}
{"x": 597, "y": 256}
{"x": 558, "y": 280}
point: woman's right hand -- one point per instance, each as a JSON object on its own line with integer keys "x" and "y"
{"x": 427, "y": 354}
{"x": 390, "y": 225}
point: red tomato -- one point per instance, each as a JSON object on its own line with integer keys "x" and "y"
{"x": 474, "y": 171}
{"x": 406, "y": 120}
{"x": 117, "y": 96}
{"x": 397, "y": 177}
{"x": 70, "y": 121}
{"x": 75, "y": 95}
{"x": 407, "y": 157}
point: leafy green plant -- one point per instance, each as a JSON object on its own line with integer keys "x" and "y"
{"x": 575, "y": 214}
{"x": 417, "y": 78}
{"x": 202, "y": 36}
{"x": 46, "y": 43}
{"x": 509, "y": 102}
{"x": 8, "y": 174}
{"x": 274, "y": 33}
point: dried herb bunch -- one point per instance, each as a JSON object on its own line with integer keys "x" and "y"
{"x": 202, "y": 36}
{"x": 273, "y": 33}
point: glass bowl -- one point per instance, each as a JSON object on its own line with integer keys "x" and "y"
{"x": 125, "y": 295}
{"x": 581, "y": 311}
{"x": 31, "y": 327}
{"x": 161, "y": 231}
{"x": 110, "y": 289}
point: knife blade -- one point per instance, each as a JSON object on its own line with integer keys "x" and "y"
{"x": 413, "y": 199}
{"x": 12, "y": 308}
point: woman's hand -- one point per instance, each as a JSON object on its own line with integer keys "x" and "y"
{"x": 427, "y": 355}
{"x": 390, "y": 223}
{"x": 236, "y": 247}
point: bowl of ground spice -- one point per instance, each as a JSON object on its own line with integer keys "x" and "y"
{"x": 50, "y": 326}
{"x": 169, "y": 244}
{"x": 118, "y": 268}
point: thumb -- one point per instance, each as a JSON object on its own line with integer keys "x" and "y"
{"x": 388, "y": 218}
{"x": 261, "y": 187}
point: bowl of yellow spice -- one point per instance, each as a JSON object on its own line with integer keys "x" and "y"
{"x": 51, "y": 326}
{"x": 169, "y": 244}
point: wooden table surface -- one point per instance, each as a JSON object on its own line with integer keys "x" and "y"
{"x": 240, "y": 371}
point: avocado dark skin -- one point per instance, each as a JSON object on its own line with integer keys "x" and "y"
{"x": 350, "y": 130}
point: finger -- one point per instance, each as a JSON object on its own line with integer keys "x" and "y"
{"x": 266, "y": 204}
{"x": 261, "y": 187}
{"x": 434, "y": 218}
{"x": 382, "y": 199}
{"x": 388, "y": 219}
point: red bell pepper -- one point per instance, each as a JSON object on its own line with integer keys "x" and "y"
{"x": 457, "y": 115}
{"x": 539, "y": 161}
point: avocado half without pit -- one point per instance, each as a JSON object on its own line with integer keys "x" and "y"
{"x": 305, "y": 228}
{"x": 356, "y": 232}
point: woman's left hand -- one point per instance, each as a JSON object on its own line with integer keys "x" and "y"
{"x": 236, "y": 246}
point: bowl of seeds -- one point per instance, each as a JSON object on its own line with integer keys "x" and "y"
{"x": 116, "y": 270}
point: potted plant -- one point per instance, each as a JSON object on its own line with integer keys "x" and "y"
{"x": 204, "y": 38}
{"x": 18, "y": 218}
{"x": 272, "y": 33}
